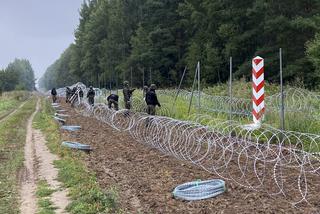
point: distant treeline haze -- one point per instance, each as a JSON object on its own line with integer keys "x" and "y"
{"x": 161, "y": 37}
{"x": 18, "y": 75}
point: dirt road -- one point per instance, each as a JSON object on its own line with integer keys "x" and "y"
{"x": 38, "y": 165}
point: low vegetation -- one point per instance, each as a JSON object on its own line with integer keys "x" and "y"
{"x": 86, "y": 195}
{"x": 45, "y": 206}
{"x": 10, "y": 100}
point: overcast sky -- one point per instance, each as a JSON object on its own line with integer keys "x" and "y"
{"x": 37, "y": 30}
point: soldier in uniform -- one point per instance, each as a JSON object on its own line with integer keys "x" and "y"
{"x": 152, "y": 100}
{"x": 145, "y": 90}
{"x": 113, "y": 101}
{"x": 127, "y": 94}
{"x": 90, "y": 95}
{"x": 68, "y": 94}
{"x": 74, "y": 90}
{"x": 54, "y": 95}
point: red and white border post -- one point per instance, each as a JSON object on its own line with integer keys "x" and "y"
{"x": 258, "y": 90}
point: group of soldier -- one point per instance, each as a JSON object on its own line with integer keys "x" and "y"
{"x": 72, "y": 95}
{"x": 149, "y": 96}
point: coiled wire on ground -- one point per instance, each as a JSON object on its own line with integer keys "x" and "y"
{"x": 268, "y": 160}
{"x": 199, "y": 190}
{"x": 71, "y": 128}
{"x": 76, "y": 145}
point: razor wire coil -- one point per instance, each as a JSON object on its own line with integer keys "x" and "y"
{"x": 270, "y": 160}
{"x": 199, "y": 190}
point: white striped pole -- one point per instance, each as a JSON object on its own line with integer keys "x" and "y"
{"x": 258, "y": 89}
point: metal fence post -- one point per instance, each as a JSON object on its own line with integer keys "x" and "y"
{"x": 193, "y": 86}
{"x": 142, "y": 77}
{"x": 199, "y": 87}
{"x": 131, "y": 76}
{"x": 282, "y": 93}
{"x": 179, "y": 88}
{"x": 150, "y": 73}
{"x": 230, "y": 90}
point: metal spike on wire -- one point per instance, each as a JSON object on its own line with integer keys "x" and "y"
{"x": 258, "y": 160}
{"x": 269, "y": 160}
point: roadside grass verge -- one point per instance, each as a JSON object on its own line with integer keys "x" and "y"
{"x": 84, "y": 190}
{"x": 12, "y": 140}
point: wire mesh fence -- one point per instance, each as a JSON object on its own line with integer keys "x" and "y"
{"x": 268, "y": 159}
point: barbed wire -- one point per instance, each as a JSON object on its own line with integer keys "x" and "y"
{"x": 296, "y": 100}
{"x": 268, "y": 160}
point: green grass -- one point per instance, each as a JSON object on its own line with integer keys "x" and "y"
{"x": 45, "y": 206}
{"x": 303, "y": 120}
{"x": 11, "y": 100}
{"x": 87, "y": 197}
{"x": 12, "y": 140}
{"x": 6, "y": 105}
{"x": 240, "y": 89}
{"x": 43, "y": 189}
{"x": 301, "y": 109}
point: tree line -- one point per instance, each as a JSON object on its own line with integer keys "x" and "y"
{"x": 154, "y": 40}
{"x": 18, "y": 75}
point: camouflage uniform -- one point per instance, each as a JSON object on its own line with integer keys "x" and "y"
{"x": 127, "y": 94}
{"x": 90, "y": 95}
{"x": 113, "y": 100}
{"x": 54, "y": 95}
{"x": 152, "y": 100}
{"x": 68, "y": 94}
{"x": 80, "y": 93}
{"x": 145, "y": 91}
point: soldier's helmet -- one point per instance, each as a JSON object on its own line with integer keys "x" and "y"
{"x": 91, "y": 87}
{"x": 153, "y": 87}
{"x": 145, "y": 87}
{"x": 126, "y": 83}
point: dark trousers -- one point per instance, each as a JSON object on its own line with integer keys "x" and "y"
{"x": 54, "y": 98}
{"x": 91, "y": 100}
{"x": 127, "y": 104}
{"x": 151, "y": 109}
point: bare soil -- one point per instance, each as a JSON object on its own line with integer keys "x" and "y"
{"x": 145, "y": 177}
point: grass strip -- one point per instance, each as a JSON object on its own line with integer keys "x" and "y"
{"x": 84, "y": 190}
{"x": 44, "y": 192}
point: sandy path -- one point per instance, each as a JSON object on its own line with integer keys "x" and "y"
{"x": 38, "y": 164}
{"x": 28, "y": 182}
